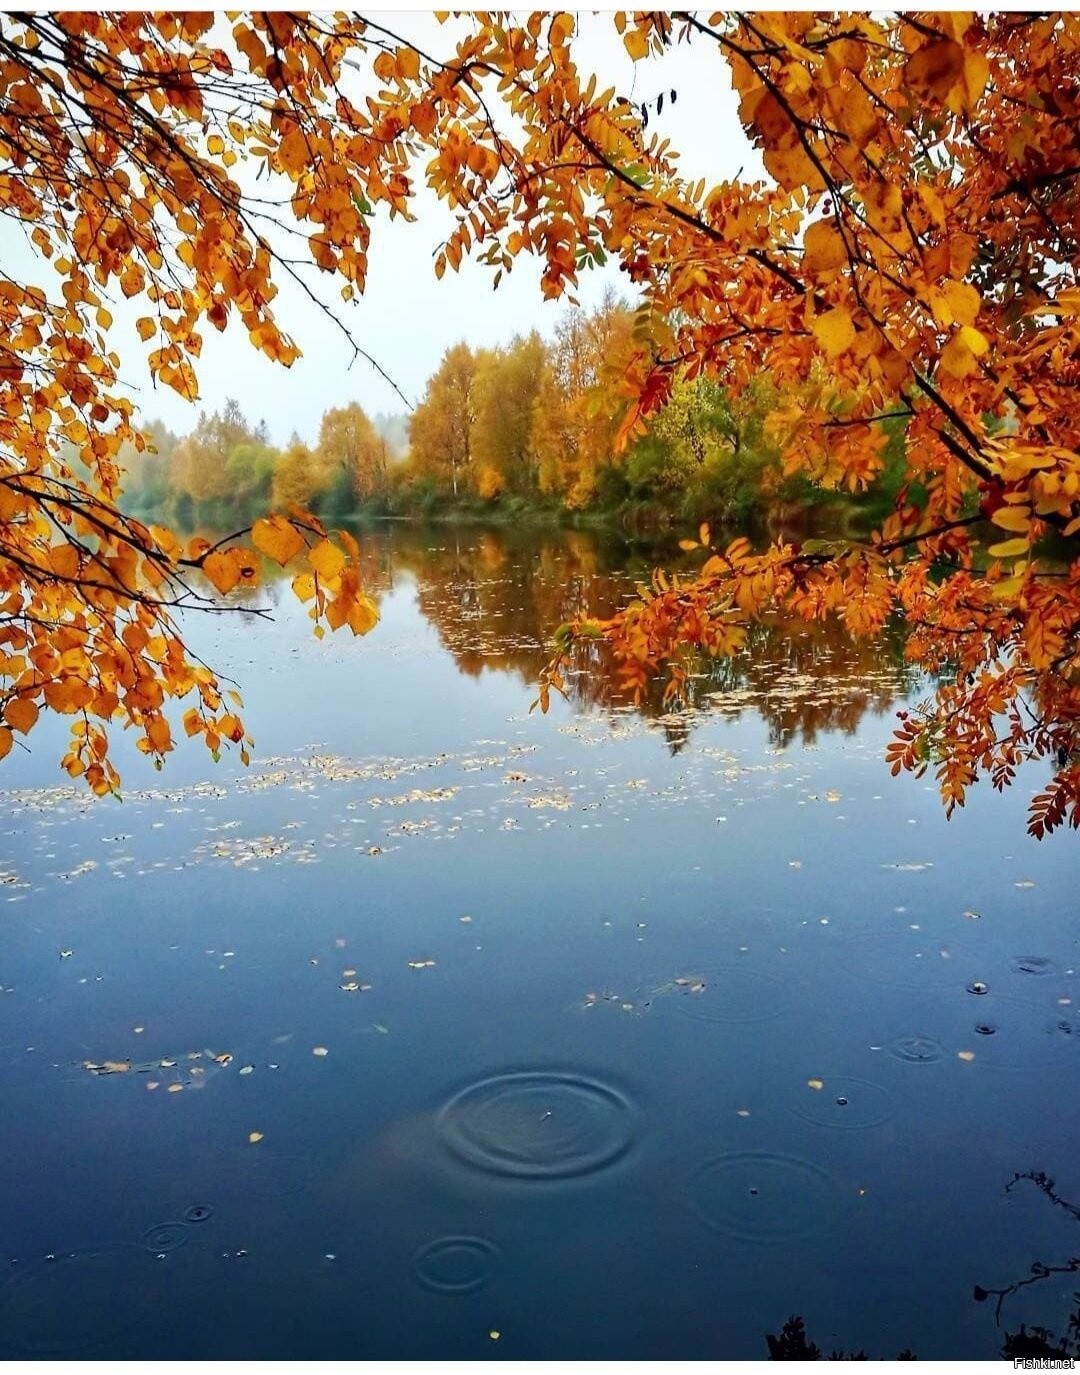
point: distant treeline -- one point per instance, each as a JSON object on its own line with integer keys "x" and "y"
{"x": 527, "y": 428}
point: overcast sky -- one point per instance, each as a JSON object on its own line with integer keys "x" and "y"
{"x": 406, "y": 319}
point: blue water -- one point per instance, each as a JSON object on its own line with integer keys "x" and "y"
{"x": 616, "y": 1033}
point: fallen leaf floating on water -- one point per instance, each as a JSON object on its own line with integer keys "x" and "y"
{"x": 320, "y": 1051}
{"x": 247, "y": 1069}
{"x": 966, "y": 1055}
{"x": 255, "y": 1137}
{"x": 107, "y": 1066}
{"x": 176, "y": 1088}
{"x": 421, "y": 964}
{"x": 816, "y": 1084}
{"x": 691, "y": 985}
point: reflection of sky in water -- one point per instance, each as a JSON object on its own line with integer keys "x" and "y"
{"x": 668, "y": 928}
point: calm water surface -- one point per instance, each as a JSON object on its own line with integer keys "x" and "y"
{"x": 615, "y": 1033}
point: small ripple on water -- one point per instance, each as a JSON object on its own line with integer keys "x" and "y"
{"x": 757, "y": 1196}
{"x": 79, "y": 1301}
{"x": 455, "y": 1265}
{"x": 539, "y": 1125}
{"x": 1032, "y": 964}
{"x": 916, "y": 1050}
{"x": 199, "y": 1212}
{"x": 165, "y": 1236}
{"x": 851, "y": 1104}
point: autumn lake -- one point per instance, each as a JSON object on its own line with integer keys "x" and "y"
{"x": 451, "y": 1030}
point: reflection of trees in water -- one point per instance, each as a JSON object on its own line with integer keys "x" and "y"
{"x": 809, "y": 677}
{"x": 495, "y": 600}
{"x": 1038, "y": 1341}
{"x": 496, "y": 597}
{"x": 792, "y": 1343}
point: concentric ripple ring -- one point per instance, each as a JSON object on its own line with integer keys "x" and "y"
{"x": 759, "y": 1196}
{"x": 165, "y": 1236}
{"x": 540, "y": 1125}
{"x": 455, "y": 1265}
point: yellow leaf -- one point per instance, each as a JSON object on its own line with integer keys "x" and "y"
{"x": 363, "y": 616}
{"x": 253, "y": 1137}
{"x": 303, "y": 586}
{"x": 974, "y": 341}
{"x": 637, "y": 44}
{"x": 823, "y": 248}
{"x": 956, "y": 358}
{"x": 1017, "y": 518}
{"x": 21, "y": 713}
{"x": 1009, "y": 549}
{"x": 145, "y": 325}
{"x": 223, "y": 569}
{"x": 967, "y": 1055}
{"x": 688, "y": 544}
{"x": 1007, "y": 589}
{"x": 976, "y": 75}
{"x": 326, "y": 559}
{"x": 964, "y": 302}
{"x": 277, "y": 538}
{"x": 6, "y": 741}
{"x": 935, "y": 68}
{"x": 834, "y": 331}
{"x": 816, "y": 1084}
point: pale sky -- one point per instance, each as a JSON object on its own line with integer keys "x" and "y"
{"x": 406, "y": 319}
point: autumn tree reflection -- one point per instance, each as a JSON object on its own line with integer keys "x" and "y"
{"x": 496, "y": 597}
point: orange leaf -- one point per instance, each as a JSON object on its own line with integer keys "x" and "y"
{"x": 21, "y": 713}
{"x": 834, "y": 331}
{"x": 326, "y": 559}
{"x": 223, "y": 569}
{"x": 277, "y": 538}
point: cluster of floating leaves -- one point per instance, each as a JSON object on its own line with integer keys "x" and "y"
{"x": 506, "y": 797}
{"x": 181, "y": 1071}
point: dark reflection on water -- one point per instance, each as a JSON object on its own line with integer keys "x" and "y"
{"x": 456, "y": 1018}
